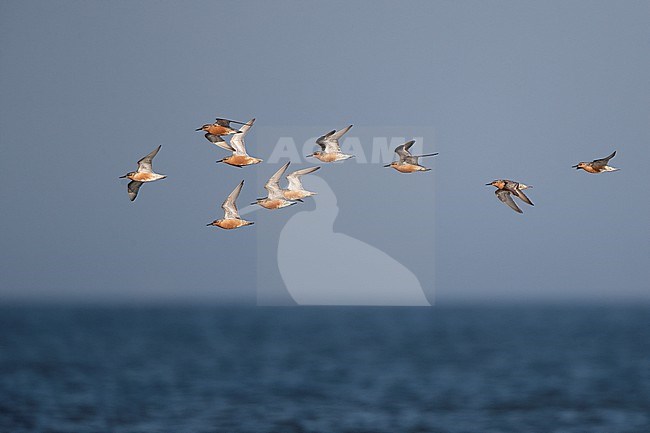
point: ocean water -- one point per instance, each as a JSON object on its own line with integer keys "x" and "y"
{"x": 284, "y": 370}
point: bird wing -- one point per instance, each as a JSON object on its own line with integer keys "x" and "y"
{"x": 272, "y": 185}
{"x": 144, "y": 165}
{"x": 603, "y": 161}
{"x": 340, "y": 133}
{"x": 413, "y": 160}
{"x": 330, "y": 141}
{"x": 505, "y": 197}
{"x": 132, "y": 188}
{"x": 218, "y": 141}
{"x": 516, "y": 188}
{"x": 324, "y": 140}
{"x": 294, "y": 178}
{"x": 237, "y": 140}
{"x": 229, "y": 206}
{"x": 223, "y": 122}
{"x": 523, "y": 196}
{"x": 403, "y": 150}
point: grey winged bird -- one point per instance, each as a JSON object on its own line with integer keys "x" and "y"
{"x": 231, "y": 218}
{"x": 143, "y": 174}
{"x": 219, "y": 127}
{"x": 295, "y": 190}
{"x": 330, "y": 148}
{"x": 507, "y": 187}
{"x": 408, "y": 163}
{"x": 597, "y": 165}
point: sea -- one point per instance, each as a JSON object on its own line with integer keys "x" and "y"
{"x": 205, "y": 369}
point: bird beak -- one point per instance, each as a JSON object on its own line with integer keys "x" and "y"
{"x": 574, "y": 166}
{"x": 199, "y": 129}
{"x": 122, "y": 177}
{"x": 309, "y": 156}
{"x": 208, "y": 225}
{"x": 388, "y": 165}
{"x": 488, "y": 184}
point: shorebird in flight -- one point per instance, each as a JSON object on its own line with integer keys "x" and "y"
{"x": 507, "y": 187}
{"x": 597, "y": 165}
{"x": 239, "y": 157}
{"x": 295, "y": 190}
{"x": 275, "y": 198}
{"x": 218, "y": 128}
{"x": 330, "y": 149}
{"x": 143, "y": 174}
{"x": 231, "y": 219}
{"x": 408, "y": 163}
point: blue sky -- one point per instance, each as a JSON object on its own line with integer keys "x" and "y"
{"x": 519, "y": 90}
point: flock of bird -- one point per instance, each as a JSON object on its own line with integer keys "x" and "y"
{"x": 278, "y": 197}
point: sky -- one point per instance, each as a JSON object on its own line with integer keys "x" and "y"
{"x": 501, "y": 89}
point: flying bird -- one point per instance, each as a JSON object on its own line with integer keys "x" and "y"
{"x": 295, "y": 190}
{"x": 239, "y": 157}
{"x": 408, "y": 163}
{"x": 218, "y": 128}
{"x": 143, "y": 174}
{"x": 275, "y": 198}
{"x": 231, "y": 219}
{"x": 330, "y": 149}
{"x": 597, "y": 165}
{"x": 505, "y": 189}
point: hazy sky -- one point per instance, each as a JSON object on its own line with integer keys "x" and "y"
{"x": 519, "y": 90}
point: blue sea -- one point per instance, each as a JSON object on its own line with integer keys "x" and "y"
{"x": 260, "y": 369}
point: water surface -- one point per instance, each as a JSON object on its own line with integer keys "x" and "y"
{"x": 497, "y": 369}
